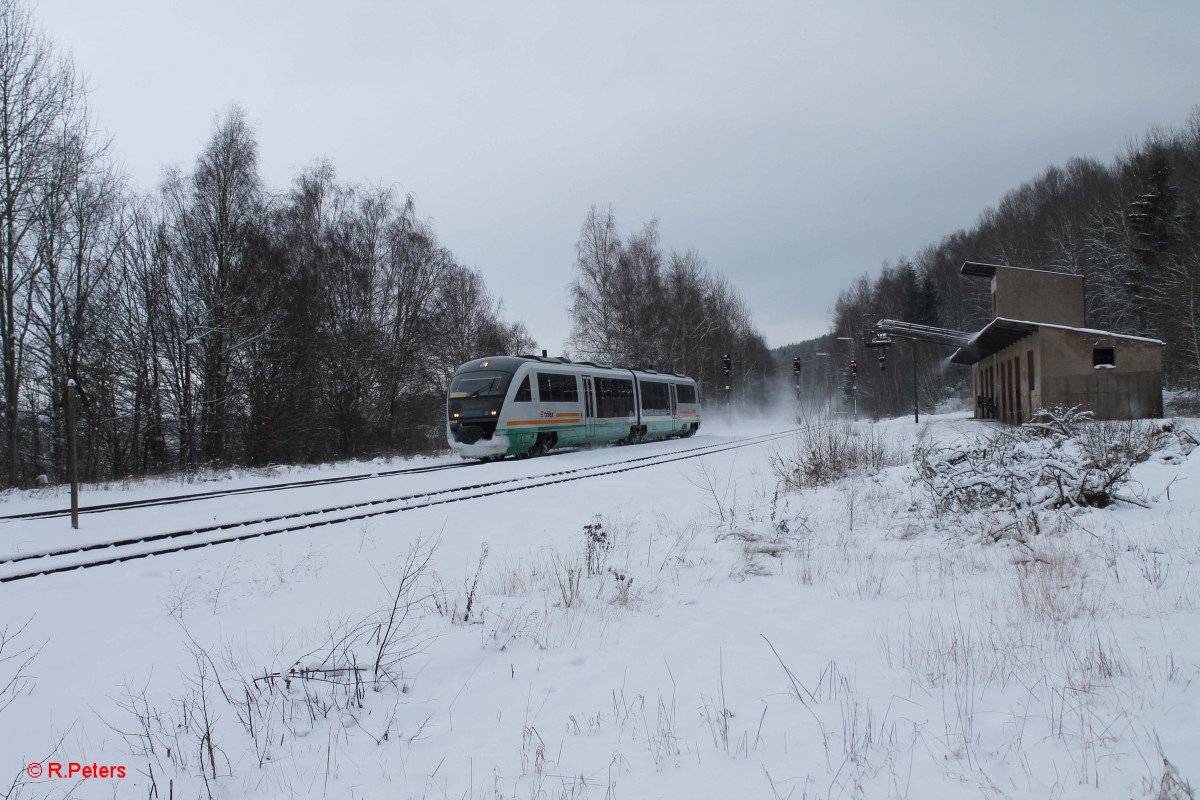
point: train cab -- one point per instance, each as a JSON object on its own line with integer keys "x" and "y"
{"x": 474, "y": 405}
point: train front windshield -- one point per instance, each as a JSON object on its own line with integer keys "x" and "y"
{"x": 477, "y": 394}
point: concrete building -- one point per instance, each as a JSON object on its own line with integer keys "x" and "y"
{"x": 1038, "y": 353}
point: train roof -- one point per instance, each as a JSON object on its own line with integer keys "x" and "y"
{"x": 511, "y": 363}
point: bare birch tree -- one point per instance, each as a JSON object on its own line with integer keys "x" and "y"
{"x": 594, "y": 330}
{"x": 217, "y": 212}
{"x": 37, "y": 91}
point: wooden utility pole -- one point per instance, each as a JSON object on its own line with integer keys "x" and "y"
{"x": 72, "y": 460}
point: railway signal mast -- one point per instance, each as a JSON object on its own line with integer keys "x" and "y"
{"x": 728, "y": 367}
{"x": 882, "y": 341}
{"x": 849, "y": 340}
{"x": 796, "y": 370}
{"x": 854, "y": 385}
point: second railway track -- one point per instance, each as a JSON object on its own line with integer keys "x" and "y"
{"x": 175, "y": 499}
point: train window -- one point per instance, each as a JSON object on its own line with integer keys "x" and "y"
{"x": 686, "y": 392}
{"x": 614, "y": 398}
{"x": 554, "y": 388}
{"x": 479, "y": 384}
{"x": 656, "y": 398}
{"x": 523, "y": 394}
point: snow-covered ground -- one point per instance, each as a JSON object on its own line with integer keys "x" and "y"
{"x": 683, "y": 630}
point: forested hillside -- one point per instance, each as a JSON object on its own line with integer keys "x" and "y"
{"x": 1131, "y": 228}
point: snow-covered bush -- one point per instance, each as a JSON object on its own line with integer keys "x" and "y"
{"x": 1183, "y": 404}
{"x": 1060, "y": 458}
{"x": 824, "y": 454}
{"x": 229, "y": 710}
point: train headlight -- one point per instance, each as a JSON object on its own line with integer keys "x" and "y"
{"x": 455, "y": 415}
{"x": 494, "y": 413}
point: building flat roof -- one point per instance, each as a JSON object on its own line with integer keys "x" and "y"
{"x": 976, "y": 269}
{"x": 1000, "y": 333}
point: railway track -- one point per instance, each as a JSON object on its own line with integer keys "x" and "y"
{"x": 50, "y": 562}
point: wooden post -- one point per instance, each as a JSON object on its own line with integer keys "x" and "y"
{"x": 72, "y": 460}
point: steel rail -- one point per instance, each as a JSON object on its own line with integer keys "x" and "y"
{"x": 217, "y": 493}
{"x": 476, "y": 491}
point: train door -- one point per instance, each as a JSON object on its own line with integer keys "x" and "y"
{"x": 674, "y": 409}
{"x": 589, "y": 407}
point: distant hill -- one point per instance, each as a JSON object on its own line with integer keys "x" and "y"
{"x": 807, "y": 351}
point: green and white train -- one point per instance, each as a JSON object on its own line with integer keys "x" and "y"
{"x": 527, "y": 405}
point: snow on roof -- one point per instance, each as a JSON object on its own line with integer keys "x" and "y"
{"x": 1090, "y": 331}
{"x": 1001, "y": 332}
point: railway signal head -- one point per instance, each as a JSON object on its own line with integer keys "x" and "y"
{"x": 796, "y": 365}
{"x": 853, "y": 369}
{"x": 727, "y": 363}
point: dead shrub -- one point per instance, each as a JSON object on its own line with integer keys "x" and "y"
{"x": 1060, "y": 458}
{"x": 824, "y": 454}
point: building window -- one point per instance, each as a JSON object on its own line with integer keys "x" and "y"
{"x": 1104, "y": 357}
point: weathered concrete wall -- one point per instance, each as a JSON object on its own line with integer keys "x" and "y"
{"x": 1034, "y": 296}
{"x": 1107, "y": 395}
{"x": 1130, "y": 389}
{"x": 1063, "y": 374}
{"x": 1070, "y": 352}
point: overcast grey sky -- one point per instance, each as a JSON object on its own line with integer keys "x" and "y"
{"x": 794, "y": 145}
